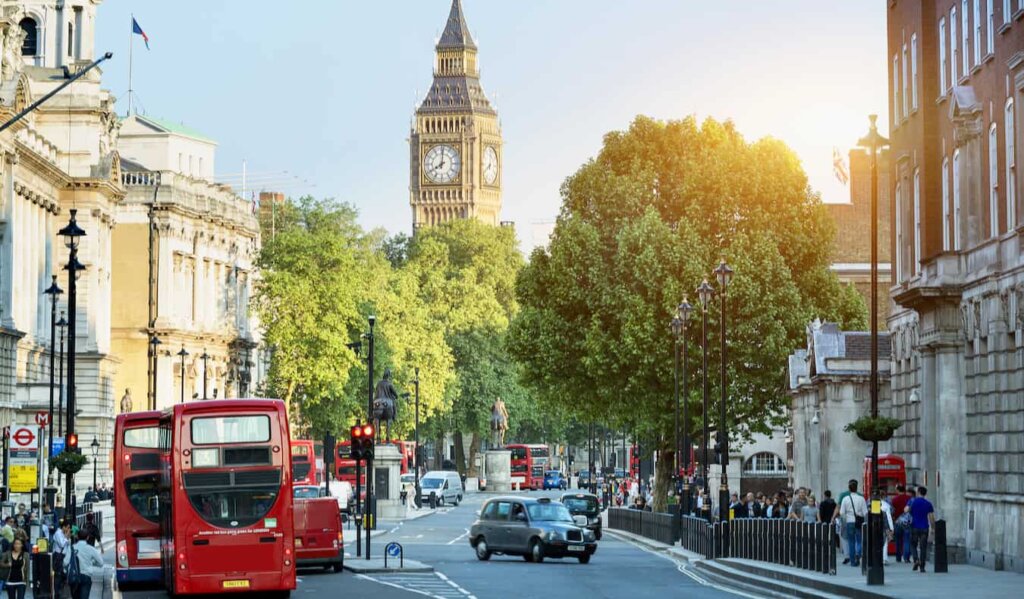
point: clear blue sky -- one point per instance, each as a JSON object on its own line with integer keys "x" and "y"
{"x": 325, "y": 89}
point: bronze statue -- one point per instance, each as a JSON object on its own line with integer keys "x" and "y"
{"x": 499, "y": 421}
{"x": 385, "y": 403}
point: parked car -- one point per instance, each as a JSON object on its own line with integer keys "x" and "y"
{"x": 587, "y": 505}
{"x": 553, "y": 479}
{"x": 447, "y": 486}
{"x": 535, "y": 528}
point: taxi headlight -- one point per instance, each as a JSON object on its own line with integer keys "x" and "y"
{"x": 588, "y": 535}
{"x": 553, "y": 535}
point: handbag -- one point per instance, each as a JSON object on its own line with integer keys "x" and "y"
{"x": 857, "y": 518}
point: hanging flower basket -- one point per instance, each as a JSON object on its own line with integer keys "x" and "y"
{"x": 68, "y": 462}
{"x": 867, "y": 428}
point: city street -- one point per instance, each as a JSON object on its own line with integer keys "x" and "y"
{"x": 618, "y": 569}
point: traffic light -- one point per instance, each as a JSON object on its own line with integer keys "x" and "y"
{"x": 329, "y": 447}
{"x": 73, "y": 442}
{"x": 719, "y": 449}
{"x": 356, "y": 438}
{"x": 367, "y": 441}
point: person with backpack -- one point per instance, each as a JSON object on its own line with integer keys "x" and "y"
{"x": 852, "y": 511}
{"x": 81, "y": 562}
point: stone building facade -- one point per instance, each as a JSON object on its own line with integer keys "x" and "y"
{"x": 58, "y": 158}
{"x": 183, "y": 271}
{"x": 829, "y": 383}
{"x": 956, "y": 90}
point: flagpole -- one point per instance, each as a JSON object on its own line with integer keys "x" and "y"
{"x": 131, "y": 40}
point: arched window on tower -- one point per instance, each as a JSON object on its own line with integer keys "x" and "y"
{"x": 30, "y": 45}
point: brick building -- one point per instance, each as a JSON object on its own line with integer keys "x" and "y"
{"x": 851, "y": 257}
{"x": 956, "y": 84}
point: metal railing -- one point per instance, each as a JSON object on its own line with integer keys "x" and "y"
{"x": 657, "y": 526}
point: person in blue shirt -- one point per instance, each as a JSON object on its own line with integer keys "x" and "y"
{"x": 922, "y": 515}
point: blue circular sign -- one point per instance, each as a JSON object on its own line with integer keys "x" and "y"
{"x": 393, "y": 549}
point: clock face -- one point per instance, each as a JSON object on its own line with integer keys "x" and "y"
{"x": 490, "y": 165}
{"x": 441, "y": 164}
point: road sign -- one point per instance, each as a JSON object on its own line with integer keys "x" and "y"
{"x": 42, "y": 418}
{"x": 393, "y": 549}
{"x": 24, "y": 455}
{"x": 58, "y": 446}
{"x": 23, "y": 437}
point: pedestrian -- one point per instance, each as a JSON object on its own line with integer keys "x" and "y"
{"x": 922, "y": 515}
{"x": 734, "y": 505}
{"x": 61, "y": 543}
{"x": 810, "y": 511}
{"x": 887, "y": 527}
{"x": 826, "y": 508}
{"x": 899, "y": 504}
{"x": 7, "y": 534}
{"x": 769, "y": 507}
{"x": 781, "y": 509}
{"x": 796, "y": 510}
{"x": 758, "y": 511}
{"x": 853, "y": 509}
{"x": 743, "y": 508}
{"x": 23, "y": 519}
{"x": 93, "y": 531}
{"x": 14, "y": 569}
{"x": 89, "y": 562}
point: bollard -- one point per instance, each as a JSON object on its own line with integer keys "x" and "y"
{"x": 941, "y": 557}
{"x": 433, "y": 500}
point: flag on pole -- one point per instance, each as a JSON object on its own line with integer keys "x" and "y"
{"x": 839, "y": 166}
{"x": 138, "y": 31}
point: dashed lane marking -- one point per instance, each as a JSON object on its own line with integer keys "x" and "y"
{"x": 434, "y": 585}
{"x": 458, "y": 538}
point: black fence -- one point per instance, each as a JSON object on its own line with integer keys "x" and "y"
{"x": 808, "y": 546}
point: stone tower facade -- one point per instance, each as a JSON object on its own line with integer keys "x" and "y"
{"x": 455, "y": 147}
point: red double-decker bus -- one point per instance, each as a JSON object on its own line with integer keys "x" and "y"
{"x": 226, "y": 498}
{"x": 345, "y": 466}
{"x": 529, "y": 461}
{"x": 136, "y": 483}
{"x": 307, "y": 462}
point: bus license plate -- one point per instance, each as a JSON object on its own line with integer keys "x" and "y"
{"x": 575, "y": 547}
{"x": 235, "y": 584}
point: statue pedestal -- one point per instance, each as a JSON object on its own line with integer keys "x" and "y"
{"x": 387, "y": 482}
{"x": 499, "y": 470}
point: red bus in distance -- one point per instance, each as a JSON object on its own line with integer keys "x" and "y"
{"x": 137, "y": 467}
{"x": 226, "y": 498}
{"x": 307, "y": 462}
{"x": 528, "y": 462}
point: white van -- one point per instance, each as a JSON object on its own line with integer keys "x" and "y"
{"x": 445, "y": 484}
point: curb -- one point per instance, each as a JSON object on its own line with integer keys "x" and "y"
{"x": 780, "y": 583}
{"x": 357, "y": 566}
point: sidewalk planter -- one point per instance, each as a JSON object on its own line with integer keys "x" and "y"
{"x": 871, "y": 429}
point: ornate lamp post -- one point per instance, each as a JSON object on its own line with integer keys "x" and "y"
{"x": 154, "y": 352}
{"x": 53, "y": 291}
{"x": 874, "y": 143}
{"x": 704, "y": 294}
{"x": 95, "y": 454}
{"x": 62, "y": 324}
{"x": 683, "y": 316}
{"x": 204, "y": 358}
{"x": 724, "y": 274}
{"x": 72, "y": 235}
{"x": 182, "y": 354}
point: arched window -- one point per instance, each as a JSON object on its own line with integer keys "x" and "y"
{"x": 956, "y": 200}
{"x": 993, "y": 180}
{"x": 947, "y": 209}
{"x": 765, "y": 464}
{"x": 30, "y": 45}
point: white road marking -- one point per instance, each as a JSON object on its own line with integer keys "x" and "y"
{"x": 434, "y": 585}
{"x": 456, "y": 539}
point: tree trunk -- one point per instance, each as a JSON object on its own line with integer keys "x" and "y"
{"x": 662, "y": 480}
{"x": 439, "y": 452}
{"x": 474, "y": 448}
{"x": 460, "y": 454}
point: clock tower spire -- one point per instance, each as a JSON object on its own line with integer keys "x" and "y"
{"x": 455, "y": 144}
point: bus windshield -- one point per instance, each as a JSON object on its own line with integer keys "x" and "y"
{"x": 230, "y": 429}
{"x": 231, "y": 508}
{"x": 142, "y": 494}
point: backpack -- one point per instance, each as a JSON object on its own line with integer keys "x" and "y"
{"x": 75, "y": 576}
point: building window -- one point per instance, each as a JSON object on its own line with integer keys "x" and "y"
{"x": 895, "y": 89}
{"x": 942, "y": 56}
{"x": 765, "y": 463}
{"x": 30, "y": 45}
{"x": 181, "y": 163}
{"x": 1010, "y": 131}
{"x": 946, "y": 208}
{"x": 954, "y": 48}
{"x": 913, "y": 71}
{"x": 990, "y": 30}
{"x": 1006, "y": 10}
{"x": 906, "y": 96}
{"x": 899, "y": 233}
{"x": 993, "y": 179}
{"x": 917, "y": 222}
{"x": 956, "y": 201}
{"x": 965, "y": 36}
{"x": 71, "y": 40}
{"x": 977, "y": 32}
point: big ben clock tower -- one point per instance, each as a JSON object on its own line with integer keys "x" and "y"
{"x": 455, "y": 144}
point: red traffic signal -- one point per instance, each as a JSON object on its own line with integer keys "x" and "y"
{"x": 368, "y": 431}
{"x": 73, "y": 441}
{"x": 356, "y": 431}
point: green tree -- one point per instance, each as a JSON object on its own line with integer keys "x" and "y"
{"x": 640, "y": 227}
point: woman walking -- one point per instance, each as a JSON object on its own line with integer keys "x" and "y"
{"x": 14, "y": 569}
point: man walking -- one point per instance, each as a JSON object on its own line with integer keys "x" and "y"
{"x": 827, "y": 508}
{"x": 922, "y": 515}
{"x": 902, "y": 532}
{"x": 852, "y": 510}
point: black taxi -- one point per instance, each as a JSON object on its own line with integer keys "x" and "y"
{"x": 586, "y": 505}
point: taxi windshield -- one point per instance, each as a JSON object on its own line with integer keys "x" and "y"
{"x": 580, "y": 504}
{"x": 548, "y": 512}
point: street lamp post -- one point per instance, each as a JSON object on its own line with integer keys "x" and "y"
{"x": 370, "y": 499}
{"x": 677, "y": 331}
{"x": 95, "y": 454}
{"x": 684, "y": 311}
{"x": 62, "y": 324}
{"x": 873, "y": 142}
{"x": 724, "y": 274}
{"x": 416, "y": 457}
{"x": 154, "y": 345}
{"x": 182, "y": 354}
{"x": 72, "y": 235}
{"x": 53, "y": 291}
{"x": 704, "y": 293}
{"x": 204, "y": 358}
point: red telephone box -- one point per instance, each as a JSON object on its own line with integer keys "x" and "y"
{"x": 892, "y": 471}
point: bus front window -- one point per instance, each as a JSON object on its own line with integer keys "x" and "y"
{"x": 232, "y": 508}
{"x": 142, "y": 495}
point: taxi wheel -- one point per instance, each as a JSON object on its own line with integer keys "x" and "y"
{"x": 483, "y": 553}
{"x": 536, "y": 552}
{"x": 584, "y": 559}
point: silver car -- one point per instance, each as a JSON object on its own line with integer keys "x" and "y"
{"x": 532, "y": 528}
